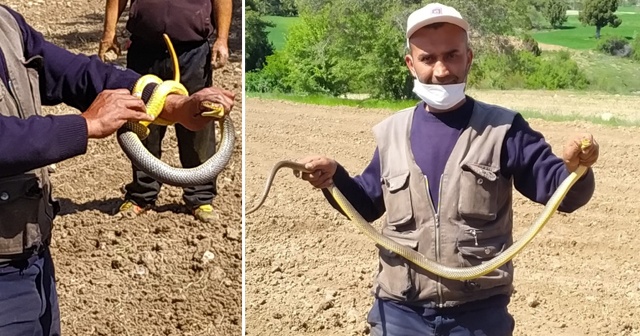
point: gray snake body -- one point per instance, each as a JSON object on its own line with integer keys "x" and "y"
{"x": 129, "y": 136}
{"x": 134, "y": 149}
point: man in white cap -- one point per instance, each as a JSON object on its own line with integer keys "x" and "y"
{"x": 443, "y": 172}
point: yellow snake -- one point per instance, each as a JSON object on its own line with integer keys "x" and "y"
{"x": 453, "y": 273}
{"x": 131, "y": 134}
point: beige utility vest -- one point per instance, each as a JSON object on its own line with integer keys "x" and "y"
{"x": 26, "y": 207}
{"x": 472, "y": 223}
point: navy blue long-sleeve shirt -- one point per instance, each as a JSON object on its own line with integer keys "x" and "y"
{"x": 66, "y": 78}
{"x": 526, "y": 157}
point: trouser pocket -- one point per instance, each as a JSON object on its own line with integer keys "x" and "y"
{"x": 25, "y": 214}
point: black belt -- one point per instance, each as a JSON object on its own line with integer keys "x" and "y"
{"x": 20, "y": 258}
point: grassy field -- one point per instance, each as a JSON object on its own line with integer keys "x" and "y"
{"x": 628, "y": 9}
{"x": 398, "y": 105}
{"x": 609, "y": 74}
{"x": 277, "y": 34}
{"x": 576, "y": 36}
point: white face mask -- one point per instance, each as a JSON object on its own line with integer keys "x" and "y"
{"x": 441, "y": 97}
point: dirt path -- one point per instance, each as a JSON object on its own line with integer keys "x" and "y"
{"x": 145, "y": 276}
{"x": 309, "y": 271}
{"x": 585, "y": 104}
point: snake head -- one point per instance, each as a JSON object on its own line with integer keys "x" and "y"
{"x": 585, "y": 143}
{"x": 212, "y": 110}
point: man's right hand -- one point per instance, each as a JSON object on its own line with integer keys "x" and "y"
{"x": 109, "y": 42}
{"x": 323, "y": 170}
{"x": 112, "y": 109}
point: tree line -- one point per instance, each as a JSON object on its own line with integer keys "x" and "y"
{"x": 346, "y": 46}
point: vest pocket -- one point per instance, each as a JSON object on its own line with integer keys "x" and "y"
{"x": 394, "y": 276}
{"x": 23, "y": 212}
{"x": 476, "y": 251}
{"x": 397, "y": 198}
{"x": 478, "y": 188}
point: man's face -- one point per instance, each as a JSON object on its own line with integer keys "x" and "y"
{"x": 439, "y": 54}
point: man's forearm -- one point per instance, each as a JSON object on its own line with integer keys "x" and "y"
{"x": 364, "y": 192}
{"x": 537, "y": 172}
{"x": 39, "y": 141}
{"x": 357, "y": 194}
{"x": 113, "y": 11}
{"x": 222, "y": 10}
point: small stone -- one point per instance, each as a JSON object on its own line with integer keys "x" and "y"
{"x": 116, "y": 264}
{"x": 233, "y": 234}
{"x": 140, "y": 270}
{"x": 330, "y": 294}
{"x": 326, "y": 305}
{"x": 207, "y": 257}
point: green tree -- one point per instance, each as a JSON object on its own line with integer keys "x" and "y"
{"x": 276, "y": 7}
{"x": 492, "y": 20}
{"x": 341, "y": 46}
{"x": 555, "y": 11}
{"x": 257, "y": 44}
{"x": 600, "y": 13}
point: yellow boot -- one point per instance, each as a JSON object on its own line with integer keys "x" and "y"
{"x": 205, "y": 214}
{"x": 130, "y": 209}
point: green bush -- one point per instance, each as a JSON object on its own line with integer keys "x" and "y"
{"x": 275, "y": 77}
{"x": 525, "y": 70}
{"x": 531, "y": 45}
{"x": 518, "y": 70}
{"x": 557, "y": 72}
{"x": 615, "y": 46}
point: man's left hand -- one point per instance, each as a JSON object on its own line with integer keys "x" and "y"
{"x": 219, "y": 53}
{"x": 574, "y": 155}
{"x": 187, "y": 110}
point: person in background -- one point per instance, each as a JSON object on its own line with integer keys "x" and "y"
{"x": 190, "y": 25}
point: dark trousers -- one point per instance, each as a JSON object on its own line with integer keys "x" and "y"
{"x": 28, "y": 298}
{"x": 391, "y": 319}
{"x": 194, "y": 147}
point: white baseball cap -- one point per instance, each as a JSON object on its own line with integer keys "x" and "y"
{"x": 434, "y": 13}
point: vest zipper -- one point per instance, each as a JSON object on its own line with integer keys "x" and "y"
{"x": 439, "y": 284}
{"x": 474, "y": 234}
{"x": 436, "y": 216}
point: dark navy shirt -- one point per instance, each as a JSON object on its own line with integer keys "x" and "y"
{"x": 66, "y": 78}
{"x": 526, "y": 157}
{"x": 185, "y": 21}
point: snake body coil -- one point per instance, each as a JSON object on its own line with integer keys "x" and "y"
{"x": 453, "y": 273}
{"x": 130, "y": 136}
